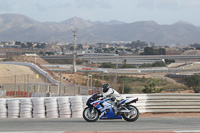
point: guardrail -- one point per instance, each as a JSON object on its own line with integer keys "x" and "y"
{"x": 168, "y": 102}
{"x": 154, "y": 103}
{"x": 173, "y": 103}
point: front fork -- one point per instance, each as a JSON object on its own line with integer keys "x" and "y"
{"x": 92, "y": 109}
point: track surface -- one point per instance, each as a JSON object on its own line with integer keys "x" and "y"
{"x": 142, "y": 124}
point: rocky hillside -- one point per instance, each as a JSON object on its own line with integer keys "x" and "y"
{"x": 21, "y": 28}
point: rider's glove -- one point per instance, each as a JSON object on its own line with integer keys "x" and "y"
{"x": 113, "y": 98}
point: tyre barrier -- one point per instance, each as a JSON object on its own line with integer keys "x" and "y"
{"x": 26, "y": 108}
{"x": 61, "y": 107}
{"x": 64, "y": 107}
{"x": 13, "y": 108}
{"x": 38, "y": 108}
{"x": 85, "y": 98}
{"x": 3, "y": 109}
{"x": 76, "y": 106}
{"x": 51, "y": 108}
{"x": 72, "y": 106}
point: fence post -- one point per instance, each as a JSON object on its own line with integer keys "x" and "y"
{"x": 46, "y": 81}
{"x": 60, "y": 85}
{"x": 2, "y": 87}
{"x": 49, "y": 89}
{"x": 123, "y": 88}
{"x": 38, "y": 88}
{"x": 88, "y": 85}
{"x": 102, "y": 79}
{"x": 79, "y": 90}
{"x": 91, "y": 85}
{"x": 58, "y": 89}
{"x": 15, "y": 87}
{"x": 28, "y": 89}
{"x": 64, "y": 89}
{"x": 19, "y": 88}
{"x": 34, "y": 89}
{"x": 24, "y": 82}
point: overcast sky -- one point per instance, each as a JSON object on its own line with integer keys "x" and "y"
{"x": 161, "y": 11}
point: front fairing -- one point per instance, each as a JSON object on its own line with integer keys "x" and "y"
{"x": 90, "y": 100}
{"x": 104, "y": 107}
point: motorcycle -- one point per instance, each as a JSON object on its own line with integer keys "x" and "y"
{"x": 104, "y": 108}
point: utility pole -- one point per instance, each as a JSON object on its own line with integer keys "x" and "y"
{"x": 74, "y": 58}
{"x": 116, "y": 73}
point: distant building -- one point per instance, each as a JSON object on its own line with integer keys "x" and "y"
{"x": 86, "y": 46}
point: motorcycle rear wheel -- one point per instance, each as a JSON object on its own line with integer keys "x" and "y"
{"x": 90, "y": 115}
{"x": 131, "y": 116}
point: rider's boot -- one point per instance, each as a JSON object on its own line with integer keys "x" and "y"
{"x": 118, "y": 104}
{"x": 115, "y": 111}
{"x": 117, "y": 108}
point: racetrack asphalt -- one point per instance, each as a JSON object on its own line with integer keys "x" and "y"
{"x": 142, "y": 125}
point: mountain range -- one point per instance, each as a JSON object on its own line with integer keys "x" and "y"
{"x": 22, "y": 28}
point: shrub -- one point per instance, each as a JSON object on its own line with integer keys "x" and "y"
{"x": 194, "y": 82}
{"x": 151, "y": 88}
{"x": 127, "y": 89}
{"x": 108, "y": 65}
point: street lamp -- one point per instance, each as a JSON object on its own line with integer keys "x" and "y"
{"x": 116, "y": 70}
{"x": 74, "y": 57}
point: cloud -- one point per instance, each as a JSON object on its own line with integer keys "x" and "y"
{"x": 150, "y": 4}
{"x": 190, "y": 3}
{"x": 158, "y": 4}
{"x": 6, "y": 5}
{"x": 93, "y": 4}
{"x": 167, "y": 4}
{"x": 40, "y": 7}
{"x": 61, "y": 5}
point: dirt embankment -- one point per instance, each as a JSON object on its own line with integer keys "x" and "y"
{"x": 32, "y": 59}
{"x": 8, "y": 73}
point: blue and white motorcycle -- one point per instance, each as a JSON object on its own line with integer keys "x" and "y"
{"x": 104, "y": 108}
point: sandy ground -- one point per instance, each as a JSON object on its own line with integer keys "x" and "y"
{"x": 8, "y": 72}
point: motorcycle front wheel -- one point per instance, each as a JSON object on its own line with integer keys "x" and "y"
{"x": 90, "y": 114}
{"x": 131, "y": 116}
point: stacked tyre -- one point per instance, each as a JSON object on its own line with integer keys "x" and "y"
{"x": 38, "y": 108}
{"x": 51, "y": 108}
{"x": 76, "y": 106}
{"x": 85, "y": 99}
{"x": 3, "y": 109}
{"x": 64, "y": 107}
{"x": 13, "y": 108}
{"x": 26, "y": 108}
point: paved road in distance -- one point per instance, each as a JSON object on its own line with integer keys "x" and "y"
{"x": 142, "y": 124}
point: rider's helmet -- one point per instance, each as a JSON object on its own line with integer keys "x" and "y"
{"x": 105, "y": 87}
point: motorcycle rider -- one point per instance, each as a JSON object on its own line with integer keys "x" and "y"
{"x": 115, "y": 96}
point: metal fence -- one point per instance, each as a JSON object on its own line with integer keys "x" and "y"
{"x": 44, "y": 90}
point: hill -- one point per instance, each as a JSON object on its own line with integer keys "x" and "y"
{"x": 22, "y": 28}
